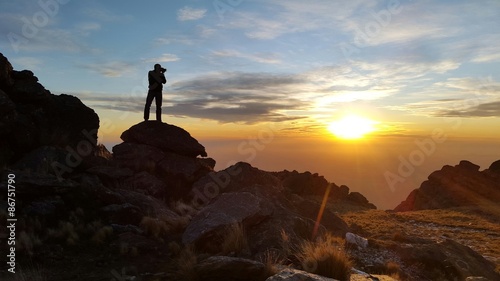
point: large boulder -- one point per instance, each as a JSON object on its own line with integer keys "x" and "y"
{"x": 165, "y": 137}
{"x": 239, "y": 177}
{"x": 165, "y": 151}
{"x": 458, "y": 186}
{"x": 228, "y": 209}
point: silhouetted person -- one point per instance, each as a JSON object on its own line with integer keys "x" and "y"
{"x": 156, "y": 80}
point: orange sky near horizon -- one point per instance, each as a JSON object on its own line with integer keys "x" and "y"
{"x": 383, "y": 166}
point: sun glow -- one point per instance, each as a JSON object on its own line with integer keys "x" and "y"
{"x": 352, "y": 127}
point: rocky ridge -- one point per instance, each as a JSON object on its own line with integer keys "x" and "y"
{"x": 456, "y": 186}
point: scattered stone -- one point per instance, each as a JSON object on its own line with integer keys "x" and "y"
{"x": 357, "y": 240}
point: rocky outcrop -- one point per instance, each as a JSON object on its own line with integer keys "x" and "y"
{"x": 163, "y": 152}
{"x": 294, "y": 217}
{"x": 166, "y": 137}
{"x": 32, "y": 117}
{"x": 308, "y": 184}
{"x": 461, "y": 185}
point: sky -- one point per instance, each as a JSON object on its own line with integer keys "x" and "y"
{"x": 261, "y": 81}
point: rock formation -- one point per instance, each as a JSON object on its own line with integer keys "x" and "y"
{"x": 461, "y": 185}
{"x": 31, "y": 117}
{"x": 163, "y": 153}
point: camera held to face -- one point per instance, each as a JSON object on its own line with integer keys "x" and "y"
{"x": 163, "y": 70}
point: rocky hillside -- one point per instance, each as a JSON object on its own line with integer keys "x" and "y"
{"x": 458, "y": 186}
{"x": 155, "y": 209}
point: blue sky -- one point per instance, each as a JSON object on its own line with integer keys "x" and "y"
{"x": 251, "y": 61}
{"x": 234, "y": 65}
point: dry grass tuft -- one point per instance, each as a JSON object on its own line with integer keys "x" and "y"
{"x": 102, "y": 234}
{"x": 154, "y": 226}
{"x": 186, "y": 262}
{"x": 235, "y": 240}
{"x": 271, "y": 261}
{"x": 325, "y": 257}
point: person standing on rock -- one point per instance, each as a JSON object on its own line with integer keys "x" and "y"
{"x": 156, "y": 80}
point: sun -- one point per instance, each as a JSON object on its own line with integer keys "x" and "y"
{"x": 352, "y": 127}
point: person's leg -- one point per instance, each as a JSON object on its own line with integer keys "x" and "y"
{"x": 149, "y": 100}
{"x": 158, "y": 99}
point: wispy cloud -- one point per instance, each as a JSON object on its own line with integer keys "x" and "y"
{"x": 30, "y": 63}
{"x": 189, "y": 13}
{"x": 109, "y": 69}
{"x": 163, "y": 58}
{"x": 101, "y": 14}
{"x": 268, "y": 58}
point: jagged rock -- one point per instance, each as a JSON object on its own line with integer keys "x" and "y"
{"x": 451, "y": 259}
{"x": 42, "y": 160}
{"x": 40, "y": 118}
{"x": 138, "y": 157}
{"x": 7, "y": 106}
{"x": 187, "y": 168}
{"x": 146, "y": 183}
{"x": 461, "y": 185}
{"x": 329, "y": 220}
{"x": 122, "y": 214}
{"x": 217, "y": 268}
{"x": 147, "y": 204}
{"x": 307, "y": 184}
{"x": 303, "y": 183}
{"x": 26, "y": 88}
{"x": 110, "y": 172}
{"x": 165, "y": 137}
{"x": 6, "y": 69}
{"x": 290, "y": 274}
{"x": 238, "y": 177}
{"x": 31, "y": 185}
{"x": 228, "y": 209}
{"x": 360, "y": 200}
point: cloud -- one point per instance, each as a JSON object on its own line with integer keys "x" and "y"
{"x": 163, "y": 58}
{"x": 229, "y": 97}
{"x": 188, "y": 13}
{"x": 490, "y": 109}
{"x": 30, "y": 63}
{"x": 109, "y": 69}
{"x": 268, "y": 58}
{"x": 456, "y": 97}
